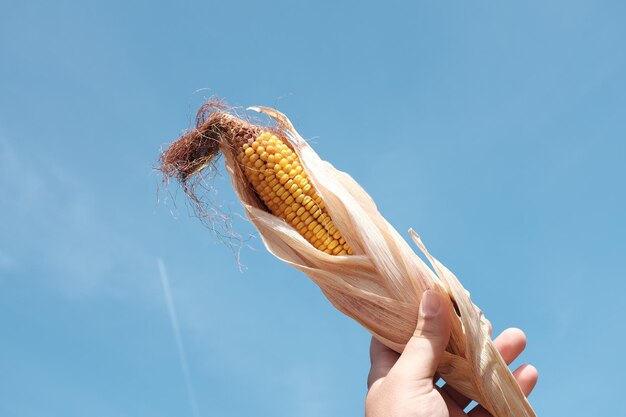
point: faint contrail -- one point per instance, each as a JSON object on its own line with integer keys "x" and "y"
{"x": 179, "y": 342}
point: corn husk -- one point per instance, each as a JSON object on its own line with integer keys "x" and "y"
{"x": 381, "y": 284}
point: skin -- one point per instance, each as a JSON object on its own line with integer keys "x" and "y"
{"x": 404, "y": 385}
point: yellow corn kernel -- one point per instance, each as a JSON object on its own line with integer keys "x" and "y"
{"x": 274, "y": 171}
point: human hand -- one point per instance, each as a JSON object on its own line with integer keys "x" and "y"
{"x": 404, "y": 385}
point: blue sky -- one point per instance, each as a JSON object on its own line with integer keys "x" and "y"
{"x": 495, "y": 130}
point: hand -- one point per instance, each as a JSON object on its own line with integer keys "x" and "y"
{"x": 404, "y": 385}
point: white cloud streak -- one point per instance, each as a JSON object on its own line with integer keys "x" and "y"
{"x": 179, "y": 342}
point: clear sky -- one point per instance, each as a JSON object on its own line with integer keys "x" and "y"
{"x": 496, "y": 129}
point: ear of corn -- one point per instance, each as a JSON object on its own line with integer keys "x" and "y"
{"x": 382, "y": 288}
{"x": 275, "y": 172}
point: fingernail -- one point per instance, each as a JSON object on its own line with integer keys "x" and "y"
{"x": 430, "y": 304}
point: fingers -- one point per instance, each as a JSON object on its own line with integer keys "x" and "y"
{"x": 382, "y": 360}
{"x": 526, "y": 376}
{"x": 510, "y": 343}
{"x": 423, "y": 352}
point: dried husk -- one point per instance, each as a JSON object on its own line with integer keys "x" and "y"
{"x": 381, "y": 284}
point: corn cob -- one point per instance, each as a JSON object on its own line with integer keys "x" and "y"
{"x": 275, "y": 172}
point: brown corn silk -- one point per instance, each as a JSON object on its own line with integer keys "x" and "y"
{"x": 381, "y": 283}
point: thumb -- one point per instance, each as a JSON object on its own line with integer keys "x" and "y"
{"x": 423, "y": 352}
